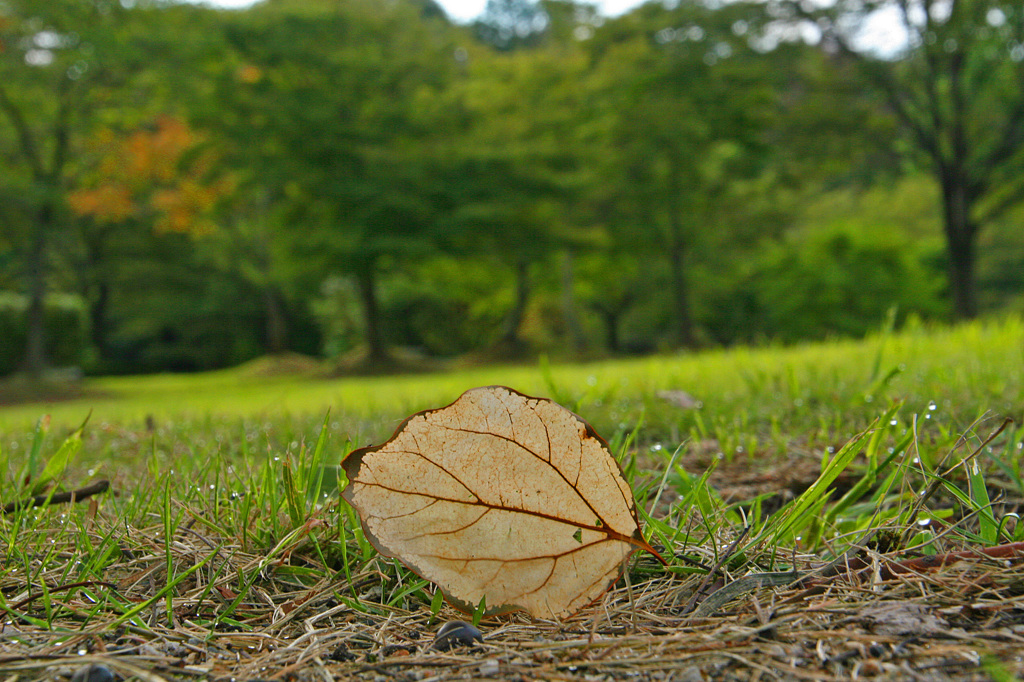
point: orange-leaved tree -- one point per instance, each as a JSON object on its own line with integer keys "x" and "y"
{"x": 160, "y": 173}
{"x": 156, "y": 179}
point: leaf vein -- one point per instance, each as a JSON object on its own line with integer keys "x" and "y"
{"x": 603, "y": 530}
{"x": 561, "y": 474}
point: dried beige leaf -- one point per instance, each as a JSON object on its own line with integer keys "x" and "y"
{"x": 503, "y": 496}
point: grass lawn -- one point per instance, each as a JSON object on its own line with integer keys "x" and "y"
{"x": 832, "y": 510}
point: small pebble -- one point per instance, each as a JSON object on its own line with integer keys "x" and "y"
{"x": 341, "y": 654}
{"x": 456, "y": 633}
{"x": 94, "y": 672}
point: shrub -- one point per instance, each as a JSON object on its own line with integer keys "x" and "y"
{"x": 841, "y": 279}
{"x": 66, "y": 324}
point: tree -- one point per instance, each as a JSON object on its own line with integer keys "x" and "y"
{"x": 65, "y": 66}
{"x": 155, "y": 178}
{"x": 516, "y": 170}
{"x": 332, "y": 126}
{"x": 684, "y": 100}
{"x": 956, "y": 83}
{"x": 510, "y": 24}
{"x": 39, "y": 89}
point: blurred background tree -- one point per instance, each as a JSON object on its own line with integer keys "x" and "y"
{"x": 956, "y": 85}
{"x": 190, "y": 188}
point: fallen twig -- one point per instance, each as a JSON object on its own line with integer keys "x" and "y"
{"x": 854, "y": 566}
{"x": 889, "y": 569}
{"x": 58, "y": 498}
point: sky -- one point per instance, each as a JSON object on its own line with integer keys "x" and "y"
{"x": 882, "y": 33}
{"x": 464, "y": 10}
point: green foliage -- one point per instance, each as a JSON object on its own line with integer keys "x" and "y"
{"x": 446, "y": 306}
{"x": 840, "y": 280}
{"x": 66, "y": 325}
{"x": 338, "y": 316}
{"x": 962, "y": 127}
{"x": 511, "y": 24}
{"x": 678, "y": 148}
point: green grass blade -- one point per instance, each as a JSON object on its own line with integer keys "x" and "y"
{"x": 59, "y": 461}
{"x": 793, "y": 518}
{"x": 980, "y": 502}
{"x": 161, "y": 594}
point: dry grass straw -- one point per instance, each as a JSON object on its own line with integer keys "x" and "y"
{"x": 963, "y": 620}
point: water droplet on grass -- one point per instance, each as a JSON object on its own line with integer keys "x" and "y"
{"x": 932, "y": 406}
{"x": 894, "y": 422}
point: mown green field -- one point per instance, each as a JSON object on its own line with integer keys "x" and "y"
{"x": 772, "y": 395}
{"x": 222, "y": 541}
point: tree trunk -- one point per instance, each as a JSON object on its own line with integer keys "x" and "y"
{"x": 680, "y": 294}
{"x": 277, "y": 325}
{"x": 98, "y": 318}
{"x": 569, "y": 314}
{"x": 35, "y": 346}
{"x": 367, "y": 280}
{"x": 676, "y": 247}
{"x": 611, "y": 329}
{"x": 50, "y": 181}
{"x": 961, "y": 235}
{"x": 518, "y": 312}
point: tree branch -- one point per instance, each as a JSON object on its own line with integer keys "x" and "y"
{"x": 1010, "y": 139}
{"x": 25, "y": 138}
{"x": 61, "y": 124}
{"x": 997, "y": 207}
{"x": 927, "y": 136}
